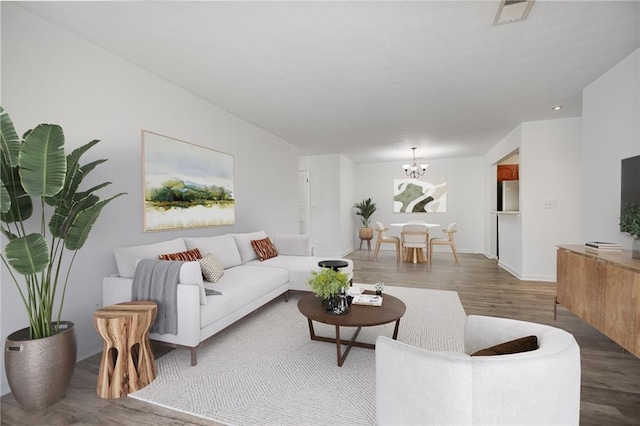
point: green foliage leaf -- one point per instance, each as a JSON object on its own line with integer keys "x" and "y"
{"x": 28, "y": 255}
{"x": 5, "y": 202}
{"x": 21, "y": 206}
{"x": 75, "y": 172}
{"x": 327, "y": 282}
{"x": 74, "y": 157}
{"x": 630, "y": 220}
{"x": 366, "y": 208}
{"x": 82, "y": 224}
{"x": 42, "y": 161}
{"x": 64, "y": 215}
{"x": 84, "y": 194}
{"x": 9, "y": 141}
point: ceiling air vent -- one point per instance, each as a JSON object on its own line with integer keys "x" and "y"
{"x": 512, "y": 11}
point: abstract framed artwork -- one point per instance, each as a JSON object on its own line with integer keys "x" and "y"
{"x": 420, "y": 196}
{"x": 185, "y": 185}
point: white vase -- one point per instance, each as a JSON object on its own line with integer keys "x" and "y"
{"x": 635, "y": 248}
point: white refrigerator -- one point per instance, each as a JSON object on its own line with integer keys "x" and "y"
{"x": 510, "y": 196}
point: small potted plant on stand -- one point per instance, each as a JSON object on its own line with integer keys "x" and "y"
{"x": 326, "y": 284}
{"x": 365, "y": 209}
{"x": 39, "y": 360}
{"x": 630, "y": 223}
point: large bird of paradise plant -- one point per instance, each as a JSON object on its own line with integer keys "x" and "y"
{"x": 36, "y": 166}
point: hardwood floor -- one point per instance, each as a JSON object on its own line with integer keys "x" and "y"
{"x": 610, "y": 376}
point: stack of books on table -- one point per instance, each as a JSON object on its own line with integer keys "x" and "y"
{"x": 602, "y": 247}
{"x": 367, "y": 299}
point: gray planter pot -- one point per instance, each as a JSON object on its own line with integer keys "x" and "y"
{"x": 39, "y": 371}
{"x": 635, "y": 248}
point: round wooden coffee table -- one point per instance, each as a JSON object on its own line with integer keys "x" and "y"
{"x": 359, "y": 316}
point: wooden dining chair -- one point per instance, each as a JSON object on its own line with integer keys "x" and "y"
{"x": 383, "y": 238}
{"x": 414, "y": 238}
{"x": 448, "y": 241}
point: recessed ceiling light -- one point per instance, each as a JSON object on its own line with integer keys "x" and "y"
{"x": 557, "y": 108}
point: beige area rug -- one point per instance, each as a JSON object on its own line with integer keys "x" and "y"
{"x": 264, "y": 370}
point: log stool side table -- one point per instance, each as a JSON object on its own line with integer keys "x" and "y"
{"x": 127, "y": 358}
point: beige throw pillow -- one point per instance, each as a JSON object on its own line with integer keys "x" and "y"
{"x": 212, "y": 270}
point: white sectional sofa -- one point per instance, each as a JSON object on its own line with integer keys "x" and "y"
{"x": 246, "y": 285}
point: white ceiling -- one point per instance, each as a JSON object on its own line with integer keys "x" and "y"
{"x": 368, "y": 79}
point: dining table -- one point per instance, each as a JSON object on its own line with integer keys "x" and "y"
{"x": 428, "y": 225}
{"x": 407, "y": 254}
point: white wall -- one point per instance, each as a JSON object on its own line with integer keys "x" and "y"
{"x": 550, "y": 171}
{"x": 465, "y": 193}
{"x": 347, "y": 223}
{"x": 510, "y": 243}
{"x": 331, "y": 198}
{"x": 49, "y": 75}
{"x": 610, "y": 128}
{"x": 549, "y": 153}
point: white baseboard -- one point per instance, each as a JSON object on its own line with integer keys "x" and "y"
{"x": 528, "y": 277}
{"x": 545, "y": 278}
{"x": 509, "y": 270}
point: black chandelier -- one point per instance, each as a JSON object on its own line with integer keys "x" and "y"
{"x": 414, "y": 170}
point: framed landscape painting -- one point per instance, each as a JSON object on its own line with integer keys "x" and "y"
{"x": 185, "y": 185}
{"x": 420, "y": 196}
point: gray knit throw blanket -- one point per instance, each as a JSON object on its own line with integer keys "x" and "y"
{"x": 157, "y": 281}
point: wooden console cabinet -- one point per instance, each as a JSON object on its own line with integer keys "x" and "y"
{"x": 604, "y": 290}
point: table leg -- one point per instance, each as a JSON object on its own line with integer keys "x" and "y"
{"x": 343, "y": 356}
{"x": 311, "y": 330}
{"x": 338, "y": 348}
{"x": 395, "y": 330}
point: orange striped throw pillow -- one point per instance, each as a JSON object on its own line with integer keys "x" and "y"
{"x": 186, "y": 256}
{"x": 264, "y": 249}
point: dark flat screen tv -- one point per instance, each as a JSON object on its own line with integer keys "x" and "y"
{"x": 630, "y": 182}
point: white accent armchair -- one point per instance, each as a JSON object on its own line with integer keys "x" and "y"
{"x": 415, "y": 386}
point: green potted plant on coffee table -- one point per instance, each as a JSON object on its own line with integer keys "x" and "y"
{"x": 327, "y": 282}
{"x": 39, "y": 360}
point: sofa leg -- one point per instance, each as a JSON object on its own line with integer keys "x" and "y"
{"x": 194, "y": 356}
{"x": 286, "y": 296}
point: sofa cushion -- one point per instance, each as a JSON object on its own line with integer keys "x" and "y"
{"x": 212, "y": 270}
{"x": 222, "y": 247}
{"x": 293, "y": 244}
{"x": 127, "y": 257}
{"x": 299, "y": 268}
{"x": 243, "y": 242}
{"x": 523, "y": 344}
{"x": 264, "y": 249}
{"x": 185, "y": 256}
{"x": 239, "y": 287}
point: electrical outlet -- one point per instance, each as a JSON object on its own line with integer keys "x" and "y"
{"x": 551, "y": 204}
